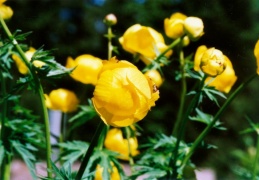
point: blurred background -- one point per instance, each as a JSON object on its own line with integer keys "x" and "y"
{"x": 75, "y": 27}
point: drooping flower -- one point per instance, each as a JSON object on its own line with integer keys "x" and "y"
{"x": 145, "y": 41}
{"x": 155, "y": 76}
{"x": 6, "y": 12}
{"x": 194, "y": 27}
{"x": 22, "y": 68}
{"x": 123, "y": 95}
{"x": 114, "y": 175}
{"x": 256, "y": 53}
{"x": 114, "y": 141}
{"x": 87, "y": 68}
{"x": 62, "y": 99}
{"x": 174, "y": 26}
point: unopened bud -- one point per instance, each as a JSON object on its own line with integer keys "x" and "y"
{"x": 110, "y": 20}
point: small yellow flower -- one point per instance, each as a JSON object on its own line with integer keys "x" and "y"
{"x": 22, "y": 68}
{"x": 193, "y": 27}
{"x": 197, "y": 58}
{"x": 114, "y": 175}
{"x": 256, "y": 53}
{"x": 62, "y": 99}
{"x": 144, "y": 41}
{"x": 123, "y": 95}
{"x": 5, "y": 11}
{"x": 114, "y": 141}
{"x": 174, "y": 26}
{"x": 155, "y": 76}
{"x": 87, "y": 68}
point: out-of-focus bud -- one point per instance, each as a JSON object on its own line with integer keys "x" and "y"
{"x": 110, "y": 20}
{"x": 185, "y": 41}
{"x": 193, "y": 27}
{"x": 155, "y": 76}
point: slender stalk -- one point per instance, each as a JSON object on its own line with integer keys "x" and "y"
{"x": 216, "y": 117}
{"x": 110, "y": 47}
{"x": 89, "y": 151}
{"x": 256, "y": 160}
{"x": 131, "y": 161}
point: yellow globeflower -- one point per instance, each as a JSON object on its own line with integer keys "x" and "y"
{"x": 193, "y": 27}
{"x": 256, "y": 53}
{"x": 22, "y": 68}
{"x": 174, "y": 25}
{"x": 155, "y": 76}
{"x": 114, "y": 141}
{"x": 62, "y": 99}
{"x": 5, "y": 11}
{"x": 197, "y": 58}
{"x": 87, "y": 68}
{"x": 114, "y": 175}
{"x": 144, "y": 41}
{"x": 123, "y": 95}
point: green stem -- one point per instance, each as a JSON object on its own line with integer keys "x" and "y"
{"x": 39, "y": 90}
{"x": 256, "y": 161}
{"x": 110, "y": 47}
{"x": 6, "y": 167}
{"x": 131, "y": 161}
{"x": 89, "y": 151}
{"x": 216, "y": 117}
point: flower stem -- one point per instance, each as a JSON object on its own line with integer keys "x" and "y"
{"x": 89, "y": 151}
{"x": 216, "y": 117}
{"x": 110, "y": 47}
{"x": 256, "y": 160}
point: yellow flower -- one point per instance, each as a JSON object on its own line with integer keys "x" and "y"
{"x": 174, "y": 25}
{"x": 22, "y": 68}
{"x": 114, "y": 141}
{"x": 197, "y": 58}
{"x": 87, "y": 68}
{"x": 62, "y": 99}
{"x": 5, "y": 11}
{"x": 114, "y": 175}
{"x": 155, "y": 76}
{"x": 123, "y": 95}
{"x": 144, "y": 41}
{"x": 193, "y": 27}
{"x": 256, "y": 53}
{"x": 224, "y": 81}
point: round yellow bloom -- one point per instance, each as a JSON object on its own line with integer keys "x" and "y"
{"x": 62, "y": 99}
{"x": 87, "y": 68}
{"x": 114, "y": 141}
{"x": 155, "y": 76}
{"x": 114, "y": 175}
{"x": 123, "y": 95}
{"x": 256, "y": 53}
{"x": 5, "y": 11}
{"x": 197, "y": 58}
{"x": 193, "y": 27}
{"x": 22, "y": 68}
{"x": 144, "y": 41}
{"x": 174, "y": 25}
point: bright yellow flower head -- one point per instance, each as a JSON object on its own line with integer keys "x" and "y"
{"x": 62, "y": 99}
{"x": 144, "y": 41}
{"x": 114, "y": 175}
{"x": 256, "y": 53}
{"x": 22, "y": 68}
{"x": 155, "y": 76}
{"x": 114, "y": 141}
{"x": 193, "y": 27}
{"x": 5, "y": 11}
{"x": 174, "y": 25}
{"x": 123, "y": 95}
{"x": 87, "y": 68}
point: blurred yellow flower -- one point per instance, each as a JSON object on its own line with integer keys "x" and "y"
{"x": 114, "y": 141}
{"x": 87, "y": 68}
{"x": 155, "y": 76}
{"x": 114, "y": 175}
{"x": 62, "y": 99}
{"x": 22, "y": 68}
{"x": 193, "y": 27}
{"x": 5, "y": 11}
{"x": 144, "y": 41}
{"x": 256, "y": 53}
{"x": 174, "y": 25}
{"x": 123, "y": 95}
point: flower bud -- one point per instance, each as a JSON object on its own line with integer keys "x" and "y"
{"x": 155, "y": 76}
{"x": 110, "y": 20}
{"x": 256, "y": 53}
{"x": 5, "y": 11}
{"x": 193, "y": 27}
{"x": 114, "y": 173}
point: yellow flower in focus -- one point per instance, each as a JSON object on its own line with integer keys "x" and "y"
{"x": 62, "y": 99}
{"x": 155, "y": 76}
{"x": 22, "y": 68}
{"x": 5, "y": 11}
{"x": 174, "y": 25}
{"x": 256, "y": 53}
{"x": 193, "y": 27}
{"x": 123, "y": 95}
{"x": 224, "y": 81}
{"x": 114, "y": 141}
{"x": 114, "y": 175}
{"x": 144, "y": 41}
{"x": 87, "y": 68}
{"x": 197, "y": 57}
